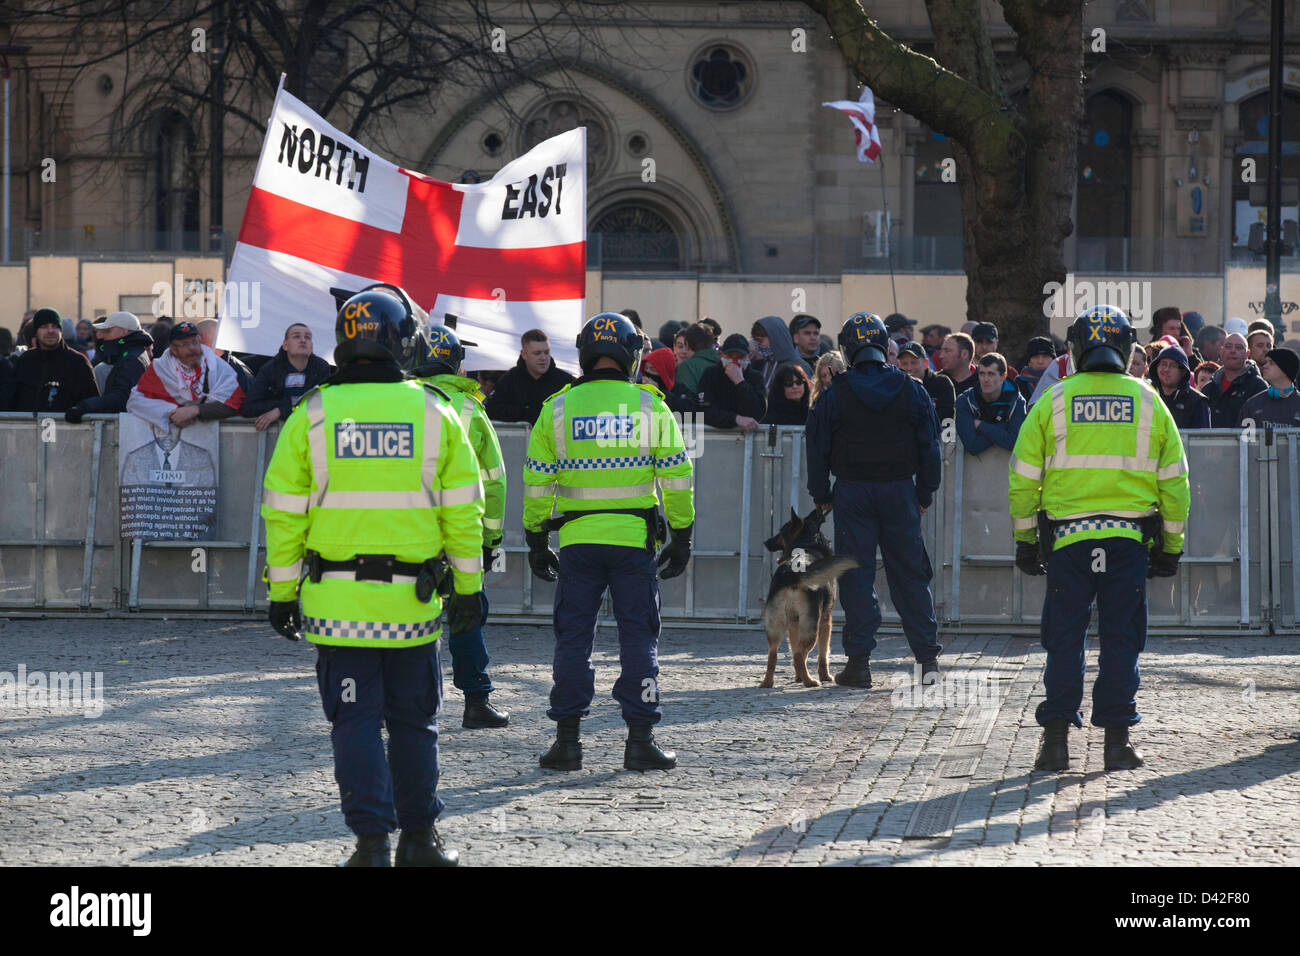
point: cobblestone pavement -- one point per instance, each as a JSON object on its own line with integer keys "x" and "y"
{"x": 212, "y": 749}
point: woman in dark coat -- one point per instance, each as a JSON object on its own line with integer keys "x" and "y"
{"x": 788, "y": 396}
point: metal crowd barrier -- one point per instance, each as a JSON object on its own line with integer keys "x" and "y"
{"x": 60, "y": 549}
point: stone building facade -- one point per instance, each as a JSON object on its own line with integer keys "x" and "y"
{"x": 710, "y": 151}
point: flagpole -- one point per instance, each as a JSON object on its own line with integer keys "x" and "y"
{"x": 889, "y": 248}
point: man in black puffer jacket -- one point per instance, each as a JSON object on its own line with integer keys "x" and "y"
{"x": 520, "y": 392}
{"x": 283, "y": 380}
{"x": 51, "y": 376}
{"x": 1237, "y": 381}
{"x": 127, "y": 350}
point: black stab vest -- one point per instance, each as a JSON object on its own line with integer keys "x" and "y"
{"x": 870, "y": 445}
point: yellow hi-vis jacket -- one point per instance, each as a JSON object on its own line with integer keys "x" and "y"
{"x": 1098, "y": 444}
{"x": 372, "y": 468}
{"x": 467, "y": 400}
{"x": 603, "y": 444}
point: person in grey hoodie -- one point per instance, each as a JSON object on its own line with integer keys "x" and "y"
{"x": 775, "y": 347}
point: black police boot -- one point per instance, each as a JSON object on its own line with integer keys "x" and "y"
{"x": 480, "y": 713}
{"x": 424, "y": 848}
{"x": 566, "y": 752}
{"x": 930, "y": 672}
{"x": 1119, "y": 753}
{"x": 372, "y": 850}
{"x": 642, "y": 753}
{"x": 1054, "y": 752}
{"x": 857, "y": 673}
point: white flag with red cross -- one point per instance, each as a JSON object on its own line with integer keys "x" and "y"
{"x": 326, "y": 212}
{"x": 862, "y": 114}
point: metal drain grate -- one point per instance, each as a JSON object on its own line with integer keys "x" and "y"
{"x": 950, "y": 767}
{"x": 975, "y": 727}
{"x": 935, "y": 815}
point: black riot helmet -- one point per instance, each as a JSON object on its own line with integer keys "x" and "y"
{"x": 379, "y": 324}
{"x": 864, "y": 338}
{"x": 610, "y": 335}
{"x": 1101, "y": 339}
{"x": 443, "y": 352}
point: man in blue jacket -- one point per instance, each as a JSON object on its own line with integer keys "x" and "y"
{"x": 874, "y": 429}
{"x": 991, "y": 414}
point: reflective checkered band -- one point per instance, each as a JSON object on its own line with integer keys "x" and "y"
{"x": 671, "y": 460}
{"x": 545, "y": 467}
{"x": 328, "y": 627}
{"x": 1095, "y": 524}
{"x": 592, "y": 464}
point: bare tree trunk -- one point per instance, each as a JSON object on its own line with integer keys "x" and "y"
{"x": 1016, "y": 173}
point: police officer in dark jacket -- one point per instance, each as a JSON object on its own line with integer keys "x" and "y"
{"x": 519, "y": 394}
{"x": 875, "y": 430}
{"x": 127, "y": 349}
{"x": 733, "y": 392}
{"x": 912, "y": 360}
{"x": 51, "y": 376}
{"x": 1171, "y": 374}
{"x": 279, "y": 384}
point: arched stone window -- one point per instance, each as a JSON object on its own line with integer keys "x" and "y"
{"x": 636, "y": 237}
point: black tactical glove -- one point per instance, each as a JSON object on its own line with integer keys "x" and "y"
{"x": 74, "y": 414}
{"x": 286, "y": 619}
{"x": 543, "y": 561}
{"x": 1162, "y": 564}
{"x": 677, "y": 554}
{"x": 1027, "y": 559}
{"x": 463, "y": 612}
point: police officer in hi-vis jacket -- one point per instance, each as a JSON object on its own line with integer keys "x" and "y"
{"x": 373, "y": 484}
{"x": 596, "y": 452}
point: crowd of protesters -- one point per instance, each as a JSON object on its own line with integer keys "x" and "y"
{"x": 172, "y": 372}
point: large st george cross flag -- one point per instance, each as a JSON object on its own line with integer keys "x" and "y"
{"x": 326, "y": 212}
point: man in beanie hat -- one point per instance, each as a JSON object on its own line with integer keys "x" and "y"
{"x": 51, "y": 377}
{"x": 1171, "y": 374}
{"x": 1038, "y": 355}
{"x": 1167, "y": 321}
{"x": 1280, "y": 402}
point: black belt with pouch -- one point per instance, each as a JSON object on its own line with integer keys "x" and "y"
{"x": 432, "y": 574}
{"x": 656, "y": 527}
{"x": 1152, "y": 528}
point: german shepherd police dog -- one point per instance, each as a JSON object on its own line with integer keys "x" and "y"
{"x": 802, "y": 594}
